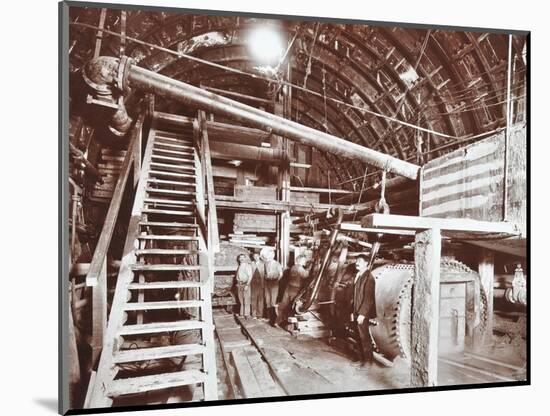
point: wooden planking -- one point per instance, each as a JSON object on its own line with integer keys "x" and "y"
{"x": 248, "y": 382}
{"x": 168, "y": 166}
{"x": 171, "y": 304}
{"x": 409, "y": 222}
{"x": 155, "y": 382}
{"x": 168, "y": 237}
{"x": 167, "y": 182}
{"x": 172, "y": 174}
{"x": 292, "y": 377}
{"x": 260, "y": 369}
{"x": 173, "y": 152}
{"x": 157, "y": 353}
{"x": 173, "y": 284}
{"x": 167, "y": 212}
{"x": 255, "y": 193}
{"x": 167, "y": 224}
{"x": 173, "y": 146}
{"x": 471, "y": 368}
{"x": 464, "y": 183}
{"x": 169, "y": 192}
{"x": 165, "y": 251}
{"x": 160, "y": 327}
{"x": 163, "y": 267}
{"x": 179, "y": 160}
{"x": 469, "y": 182}
{"x": 166, "y": 202}
{"x": 346, "y": 226}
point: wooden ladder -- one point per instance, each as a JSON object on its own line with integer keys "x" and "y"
{"x": 163, "y": 291}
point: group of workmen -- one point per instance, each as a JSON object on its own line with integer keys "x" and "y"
{"x": 258, "y": 283}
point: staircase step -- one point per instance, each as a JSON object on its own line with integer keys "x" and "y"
{"x": 174, "y": 146}
{"x": 168, "y": 166}
{"x": 164, "y": 251}
{"x": 168, "y": 201}
{"x": 164, "y": 267}
{"x": 173, "y": 284}
{"x": 155, "y": 382}
{"x": 156, "y": 353}
{"x": 181, "y": 160}
{"x": 175, "y": 139}
{"x": 173, "y": 152}
{"x": 112, "y": 152}
{"x": 172, "y": 304}
{"x": 164, "y": 201}
{"x": 167, "y": 212}
{"x": 173, "y": 174}
{"x": 168, "y": 237}
{"x": 156, "y": 327}
{"x": 167, "y": 224}
{"x": 170, "y": 134}
{"x": 165, "y": 182}
{"x": 169, "y": 191}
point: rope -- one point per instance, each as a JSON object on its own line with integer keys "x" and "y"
{"x": 361, "y": 192}
{"x": 382, "y": 206}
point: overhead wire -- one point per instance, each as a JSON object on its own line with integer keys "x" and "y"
{"x": 323, "y": 95}
{"x": 261, "y": 77}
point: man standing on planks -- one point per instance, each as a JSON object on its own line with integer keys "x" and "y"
{"x": 297, "y": 275}
{"x": 364, "y": 308}
{"x": 273, "y": 273}
{"x": 257, "y": 286}
{"x": 244, "y": 277}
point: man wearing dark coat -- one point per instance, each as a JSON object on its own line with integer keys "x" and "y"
{"x": 364, "y": 308}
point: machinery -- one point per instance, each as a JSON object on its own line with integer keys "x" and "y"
{"x": 463, "y": 302}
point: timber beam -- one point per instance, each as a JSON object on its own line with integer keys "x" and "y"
{"x": 224, "y": 201}
{"x": 220, "y": 132}
{"x": 463, "y": 225}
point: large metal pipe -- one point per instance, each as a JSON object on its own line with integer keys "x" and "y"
{"x": 149, "y": 81}
{"x": 124, "y": 74}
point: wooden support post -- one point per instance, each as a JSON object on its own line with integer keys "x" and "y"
{"x": 284, "y": 176}
{"x": 104, "y": 241}
{"x": 122, "y": 32}
{"x": 471, "y": 338}
{"x": 486, "y": 270}
{"x": 210, "y": 388}
{"x": 213, "y": 234}
{"x": 99, "y": 302}
{"x": 425, "y": 310}
{"x": 137, "y": 156}
{"x": 99, "y": 36}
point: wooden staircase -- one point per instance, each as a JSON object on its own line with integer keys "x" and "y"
{"x": 109, "y": 166}
{"x": 160, "y": 330}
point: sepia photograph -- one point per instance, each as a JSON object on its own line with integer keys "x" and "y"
{"x": 266, "y": 207}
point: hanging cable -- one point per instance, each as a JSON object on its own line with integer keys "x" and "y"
{"x": 264, "y": 78}
{"x": 361, "y": 191}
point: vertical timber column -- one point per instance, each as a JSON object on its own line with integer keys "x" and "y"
{"x": 99, "y": 302}
{"x": 425, "y": 308}
{"x": 284, "y": 173}
{"x": 486, "y": 271}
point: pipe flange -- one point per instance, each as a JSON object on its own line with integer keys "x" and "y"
{"x": 100, "y": 73}
{"x": 122, "y": 75}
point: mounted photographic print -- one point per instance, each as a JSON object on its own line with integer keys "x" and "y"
{"x": 262, "y": 208}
